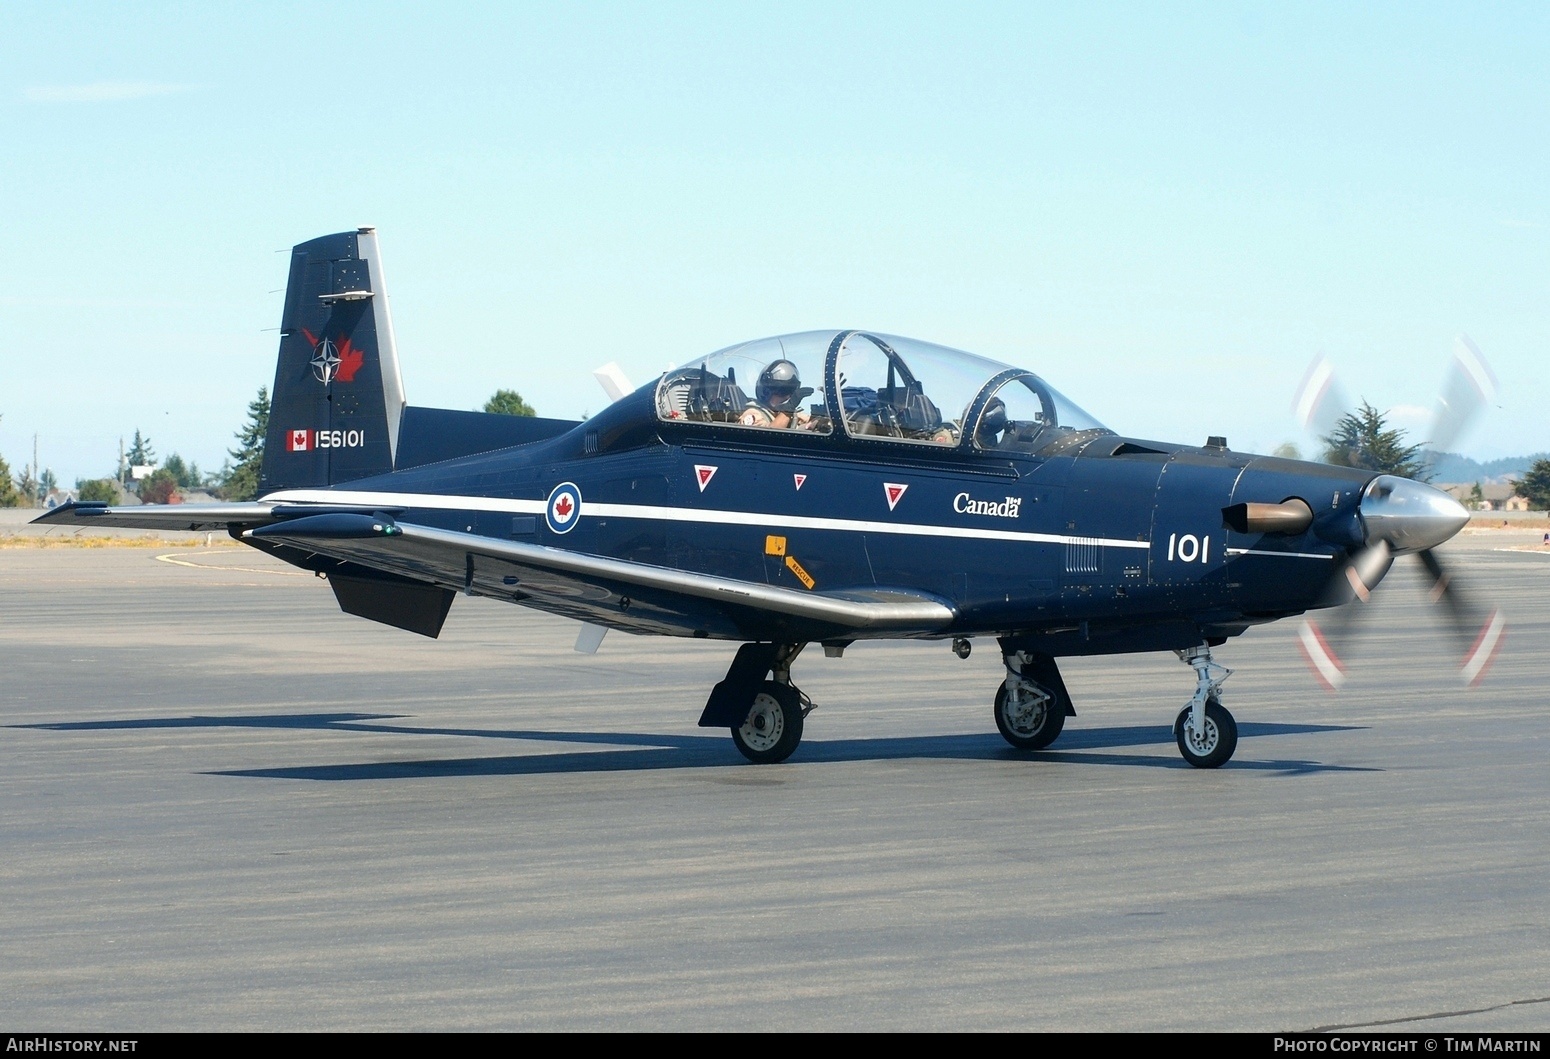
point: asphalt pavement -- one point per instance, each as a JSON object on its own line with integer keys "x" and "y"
{"x": 229, "y": 806}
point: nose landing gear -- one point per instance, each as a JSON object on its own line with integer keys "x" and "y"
{"x": 1206, "y": 733}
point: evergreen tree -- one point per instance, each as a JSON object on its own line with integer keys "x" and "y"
{"x": 1535, "y": 485}
{"x": 140, "y": 453}
{"x": 26, "y": 488}
{"x": 9, "y": 497}
{"x": 186, "y": 474}
{"x": 508, "y": 403}
{"x": 241, "y": 482}
{"x": 1361, "y": 439}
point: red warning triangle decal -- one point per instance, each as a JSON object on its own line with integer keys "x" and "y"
{"x": 799, "y": 479}
{"x": 703, "y": 475}
{"x": 893, "y": 490}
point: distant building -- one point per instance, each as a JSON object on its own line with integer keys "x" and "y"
{"x": 1494, "y": 497}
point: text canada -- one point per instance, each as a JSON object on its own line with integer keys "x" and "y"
{"x": 967, "y": 505}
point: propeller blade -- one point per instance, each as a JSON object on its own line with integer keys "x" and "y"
{"x": 1359, "y": 575}
{"x": 1323, "y": 643}
{"x": 1321, "y": 656}
{"x": 1319, "y": 402}
{"x": 1470, "y": 386}
{"x": 1479, "y": 634}
{"x": 1483, "y": 651}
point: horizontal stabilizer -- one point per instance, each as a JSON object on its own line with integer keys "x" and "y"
{"x": 179, "y": 518}
{"x": 168, "y": 517}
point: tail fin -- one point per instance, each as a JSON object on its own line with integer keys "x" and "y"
{"x": 338, "y": 396}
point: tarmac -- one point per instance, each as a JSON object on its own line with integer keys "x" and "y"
{"x": 229, "y": 806}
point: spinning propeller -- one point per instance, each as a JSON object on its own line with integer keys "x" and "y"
{"x": 1397, "y": 516}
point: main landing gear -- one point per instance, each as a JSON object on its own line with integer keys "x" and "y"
{"x": 1206, "y": 733}
{"x": 1032, "y": 702}
{"x": 764, "y": 715}
{"x": 765, "y": 712}
{"x": 773, "y": 728}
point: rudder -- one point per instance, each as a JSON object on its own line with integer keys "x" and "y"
{"x": 338, "y": 396}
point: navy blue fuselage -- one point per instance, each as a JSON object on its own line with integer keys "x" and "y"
{"x": 1105, "y": 545}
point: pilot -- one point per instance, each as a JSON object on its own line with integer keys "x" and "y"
{"x": 778, "y": 399}
{"x": 993, "y": 424}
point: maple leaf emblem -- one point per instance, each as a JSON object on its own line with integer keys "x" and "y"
{"x": 562, "y": 507}
{"x": 331, "y": 362}
{"x": 350, "y": 360}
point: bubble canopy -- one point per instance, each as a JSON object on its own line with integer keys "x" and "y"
{"x": 873, "y": 387}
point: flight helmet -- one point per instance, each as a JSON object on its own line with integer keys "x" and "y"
{"x": 779, "y": 387}
{"x": 992, "y": 423}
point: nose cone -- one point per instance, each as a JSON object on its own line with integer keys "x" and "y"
{"x": 1409, "y": 516}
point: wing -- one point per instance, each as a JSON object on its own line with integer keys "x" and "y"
{"x": 618, "y": 593}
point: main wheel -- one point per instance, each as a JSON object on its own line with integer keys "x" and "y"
{"x": 1034, "y": 725}
{"x": 774, "y": 724}
{"x": 1213, "y": 748}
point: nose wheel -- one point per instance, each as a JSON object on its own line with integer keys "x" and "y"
{"x": 1206, "y": 733}
{"x": 1209, "y": 748}
{"x": 773, "y": 727}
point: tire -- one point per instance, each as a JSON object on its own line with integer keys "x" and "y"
{"x": 1036, "y": 727}
{"x": 773, "y": 727}
{"x": 1219, "y": 742}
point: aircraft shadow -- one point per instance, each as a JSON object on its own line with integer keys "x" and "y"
{"x": 711, "y": 749}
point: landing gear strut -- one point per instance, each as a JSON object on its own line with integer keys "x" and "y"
{"x": 1031, "y": 703}
{"x": 1206, "y": 733}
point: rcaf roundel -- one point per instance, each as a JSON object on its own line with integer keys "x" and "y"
{"x": 564, "y": 508}
{"x": 799, "y": 479}
{"x": 893, "y": 491}
{"x": 703, "y": 475}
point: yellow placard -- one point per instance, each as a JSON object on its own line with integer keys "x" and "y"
{"x": 796, "y": 568}
{"x": 774, "y": 546}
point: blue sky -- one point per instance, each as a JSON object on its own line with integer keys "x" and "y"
{"x": 1167, "y": 210}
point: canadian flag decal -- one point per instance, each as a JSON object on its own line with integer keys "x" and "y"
{"x": 893, "y": 491}
{"x": 799, "y": 479}
{"x": 703, "y": 475}
{"x": 298, "y": 441}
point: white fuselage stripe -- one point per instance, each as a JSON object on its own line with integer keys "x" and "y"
{"x": 1278, "y": 555}
{"x": 449, "y": 502}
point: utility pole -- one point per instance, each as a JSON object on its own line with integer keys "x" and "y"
{"x": 121, "y": 459}
{"x": 36, "y": 483}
